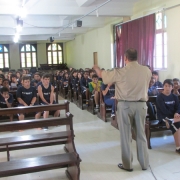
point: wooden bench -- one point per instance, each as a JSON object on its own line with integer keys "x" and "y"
{"x": 38, "y": 108}
{"x": 70, "y": 159}
{"x": 103, "y": 109}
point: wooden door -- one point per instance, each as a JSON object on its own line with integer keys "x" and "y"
{"x": 95, "y": 57}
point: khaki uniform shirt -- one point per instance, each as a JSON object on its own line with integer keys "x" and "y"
{"x": 131, "y": 82}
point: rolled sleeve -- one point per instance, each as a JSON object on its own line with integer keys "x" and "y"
{"x": 108, "y": 76}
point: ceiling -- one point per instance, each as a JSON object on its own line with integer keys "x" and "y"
{"x": 46, "y": 18}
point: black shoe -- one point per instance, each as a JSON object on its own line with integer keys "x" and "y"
{"x": 168, "y": 122}
{"x": 121, "y": 167}
{"x": 178, "y": 151}
{"x": 144, "y": 169}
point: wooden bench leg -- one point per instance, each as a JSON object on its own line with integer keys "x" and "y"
{"x": 73, "y": 171}
{"x": 8, "y": 154}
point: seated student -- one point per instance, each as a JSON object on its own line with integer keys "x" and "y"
{"x": 46, "y": 95}
{"x": 36, "y": 80}
{"x": 6, "y": 100}
{"x": 157, "y": 84}
{"x": 176, "y": 87}
{"x": 168, "y": 107}
{"x": 13, "y": 81}
{"x": 18, "y": 74}
{"x": 84, "y": 84}
{"x": 9, "y": 75}
{"x": 1, "y": 81}
{"x": 74, "y": 81}
{"x": 56, "y": 75}
{"x": 91, "y": 73}
{"x": 108, "y": 91}
{"x": 26, "y": 96}
{"x": 94, "y": 88}
{"x": 65, "y": 83}
{"x": 65, "y": 80}
{"x": 152, "y": 91}
{"x": 5, "y": 83}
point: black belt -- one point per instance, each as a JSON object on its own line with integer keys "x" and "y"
{"x": 130, "y": 101}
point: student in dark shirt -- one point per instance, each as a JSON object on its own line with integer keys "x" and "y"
{"x": 1, "y": 81}
{"x": 176, "y": 87}
{"x": 108, "y": 91}
{"x": 6, "y": 100}
{"x": 74, "y": 81}
{"x": 168, "y": 107}
{"x": 84, "y": 84}
{"x": 46, "y": 95}
{"x": 26, "y": 95}
{"x": 14, "y": 83}
{"x": 36, "y": 80}
{"x": 152, "y": 91}
{"x": 157, "y": 84}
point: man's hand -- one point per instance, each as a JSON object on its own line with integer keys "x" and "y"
{"x": 98, "y": 71}
{"x": 95, "y": 67}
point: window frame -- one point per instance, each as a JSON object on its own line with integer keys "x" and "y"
{"x": 47, "y": 46}
{"x": 20, "y": 47}
{"x": 162, "y": 31}
{"x": 3, "y": 53}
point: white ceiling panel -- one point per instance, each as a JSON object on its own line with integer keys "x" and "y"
{"x": 47, "y": 18}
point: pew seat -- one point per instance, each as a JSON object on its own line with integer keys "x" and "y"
{"x": 70, "y": 159}
{"x": 43, "y": 163}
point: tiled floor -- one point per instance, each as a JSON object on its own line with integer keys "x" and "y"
{"x": 99, "y": 148}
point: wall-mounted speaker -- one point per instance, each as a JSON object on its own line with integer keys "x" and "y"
{"x": 51, "y": 39}
{"x": 79, "y": 23}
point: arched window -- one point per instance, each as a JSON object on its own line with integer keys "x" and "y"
{"x": 28, "y": 54}
{"x": 4, "y": 56}
{"x": 55, "y": 53}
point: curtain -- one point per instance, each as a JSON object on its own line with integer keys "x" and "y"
{"x": 138, "y": 34}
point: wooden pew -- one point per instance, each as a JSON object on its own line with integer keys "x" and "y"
{"x": 103, "y": 108}
{"x": 38, "y": 108}
{"x": 70, "y": 159}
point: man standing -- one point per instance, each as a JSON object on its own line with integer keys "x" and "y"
{"x": 131, "y": 87}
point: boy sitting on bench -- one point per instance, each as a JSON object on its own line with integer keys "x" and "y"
{"x": 94, "y": 88}
{"x": 168, "y": 107}
{"x": 46, "y": 95}
{"x": 6, "y": 100}
{"x": 26, "y": 96}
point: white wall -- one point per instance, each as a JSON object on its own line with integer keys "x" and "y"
{"x": 14, "y": 56}
{"x": 41, "y": 54}
{"x": 173, "y": 36}
{"x": 79, "y": 52}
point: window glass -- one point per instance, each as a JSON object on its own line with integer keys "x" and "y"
{"x": 55, "y": 53}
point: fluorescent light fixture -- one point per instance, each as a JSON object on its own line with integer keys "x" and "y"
{"x": 21, "y": 12}
{"x": 17, "y": 35}
{"x": 19, "y": 25}
{"x": 19, "y": 28}
{"x": 16, "y": 39}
